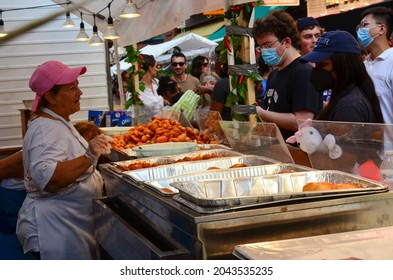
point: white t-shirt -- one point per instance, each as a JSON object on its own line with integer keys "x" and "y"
{"x": 381, "y": 71}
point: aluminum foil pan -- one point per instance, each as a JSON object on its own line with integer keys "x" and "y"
{"x": 121, "y": 166}
{"x": 251, "y": 171}
{"x": 212, "y": 146}
{"x": 264, "y": 189}
{"x": 131, "y": 153}
{"x": 182, "y": 168}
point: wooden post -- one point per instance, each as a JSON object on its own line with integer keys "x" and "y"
{"x": 245, "y": 52}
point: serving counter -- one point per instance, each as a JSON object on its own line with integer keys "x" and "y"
{"x": 135, "y": 222}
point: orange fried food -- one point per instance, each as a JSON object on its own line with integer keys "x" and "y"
{"x": 238, "y": 165}
{"x": 159, "y": 131}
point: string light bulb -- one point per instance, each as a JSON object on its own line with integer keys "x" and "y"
{"x": 111, "y": 32}
{"x": 82, "y": 35}
{"x": 3, "y": 33}
{"x": 95, "y": 39}
{"x": 130, "y": 10}
{"x": 68, "y": 22}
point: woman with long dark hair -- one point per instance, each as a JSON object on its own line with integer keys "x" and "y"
{"x": 339, "y": 67}
{"x": 199, "y": 65}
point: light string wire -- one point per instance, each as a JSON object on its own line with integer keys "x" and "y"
{"x": 70, "y": 5}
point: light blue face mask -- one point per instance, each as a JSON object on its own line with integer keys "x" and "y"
{"x": 271, "y": 57}
{"x": 364, "y": 37}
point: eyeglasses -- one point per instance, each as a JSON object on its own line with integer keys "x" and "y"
{"x": 266, "y": 46}
{"x": 205, "y": 64}
{"x": 181, "y": 64}
{"x": 364, "y": 24}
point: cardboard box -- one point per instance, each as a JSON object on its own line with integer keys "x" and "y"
{"x": 110, "y": 118}
{"x": 96, "y": 117}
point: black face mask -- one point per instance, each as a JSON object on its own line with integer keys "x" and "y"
{"x": 321, "y": 79}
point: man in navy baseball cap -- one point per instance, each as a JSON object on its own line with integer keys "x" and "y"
{"x": 306, "y": 22}
{"x": 330, "y": 43}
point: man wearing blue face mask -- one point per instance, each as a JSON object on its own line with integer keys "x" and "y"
{"x": 373, "y": 33}
{"x": 289, "y": 93}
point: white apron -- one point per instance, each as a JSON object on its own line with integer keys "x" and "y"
{"x": 62, "y": 223}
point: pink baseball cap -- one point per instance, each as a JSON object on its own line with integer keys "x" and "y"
{"x": 50, "y": 74}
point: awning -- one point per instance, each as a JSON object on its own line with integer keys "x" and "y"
{"x": 260, "y": 12}
{"x": 204, "y": 31}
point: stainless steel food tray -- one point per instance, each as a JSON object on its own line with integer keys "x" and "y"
{"x": 182, "y": 168}
{"x": 163, "y": 160}
{"x": 163, "y": 185}
{"x": 264, "y": 189}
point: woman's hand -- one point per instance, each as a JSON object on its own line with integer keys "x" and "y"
{"x": 98, "y": 146}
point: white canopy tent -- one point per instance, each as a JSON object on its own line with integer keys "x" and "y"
{"x": 157, "y": 16}
{"x": 191, "y": 45}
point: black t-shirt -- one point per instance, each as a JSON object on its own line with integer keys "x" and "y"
{"x": 220, "y": 93}
{"x": 352, "y": 107}
{"x": 289, "y": 90}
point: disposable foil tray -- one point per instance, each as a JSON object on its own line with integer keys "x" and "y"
{"x": 182, "y": 168}
{"x": 121, "y": 166}
{"x": 268, "y": 188}
{"x": 200, "y": 147}
{"x": 163, "y": 185}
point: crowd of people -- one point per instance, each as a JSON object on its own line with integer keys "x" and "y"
{"x": 309, "y": 73}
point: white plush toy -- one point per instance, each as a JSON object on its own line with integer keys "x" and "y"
{"x": 310, "y": 140}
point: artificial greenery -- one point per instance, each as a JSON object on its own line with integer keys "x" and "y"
{"x": 238, "y": 94}
{"x": 135, "y": 58}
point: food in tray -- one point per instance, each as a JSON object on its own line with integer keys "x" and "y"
{"x": 199, "y": 157}
{"x": 287, "y": 171}
{"x": 159, "y": 131}
{"x": 140, "y": 164}
{"x": 326, "y": 186}
{"x": 166, "y": 190}
{"x": 237, "y": 165}
{"x": 213, "y": 168}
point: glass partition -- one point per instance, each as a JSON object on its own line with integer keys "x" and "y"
{"x": 209, "y": 123}
{"x": 362, "y": 145}
{"x": 262, "y": 139}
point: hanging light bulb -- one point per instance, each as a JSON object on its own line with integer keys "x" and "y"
{"x": 130, "y": 10}
{"x": 82, "y": 35}
{"x": 3, "y": 33}
{"x": 95, "y": 39}
{"x": 111, "y": 32}
{"x": 68, "y": 22}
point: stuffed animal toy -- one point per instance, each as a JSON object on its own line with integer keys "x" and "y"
{"x": 310, "y": 140}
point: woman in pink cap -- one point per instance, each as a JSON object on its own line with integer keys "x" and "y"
{"x": 56, "y": 218}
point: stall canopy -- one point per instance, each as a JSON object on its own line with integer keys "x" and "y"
{"x": 260, "y": 12}
{"x": 157, "y": 16}
{"x": 191, "y": 45}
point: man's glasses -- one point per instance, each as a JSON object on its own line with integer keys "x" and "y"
{"x": 181, "y": 64}
{"x": 205, "y": 64}
{"x": 266, "y": 46}
{"x": 364, "y": 24}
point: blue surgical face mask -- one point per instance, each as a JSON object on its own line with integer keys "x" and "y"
{"x": 364, "y": 37}
{"x": 271, "y": 57}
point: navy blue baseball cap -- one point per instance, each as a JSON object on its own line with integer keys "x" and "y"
{"x": 303, "y": 23}
{"x": 330, "y": 43}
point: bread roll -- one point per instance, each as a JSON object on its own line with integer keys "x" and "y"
{"x": 286, "y": 171}
{"x": 238, "y": 165}
{"x": 327, "y": 186}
